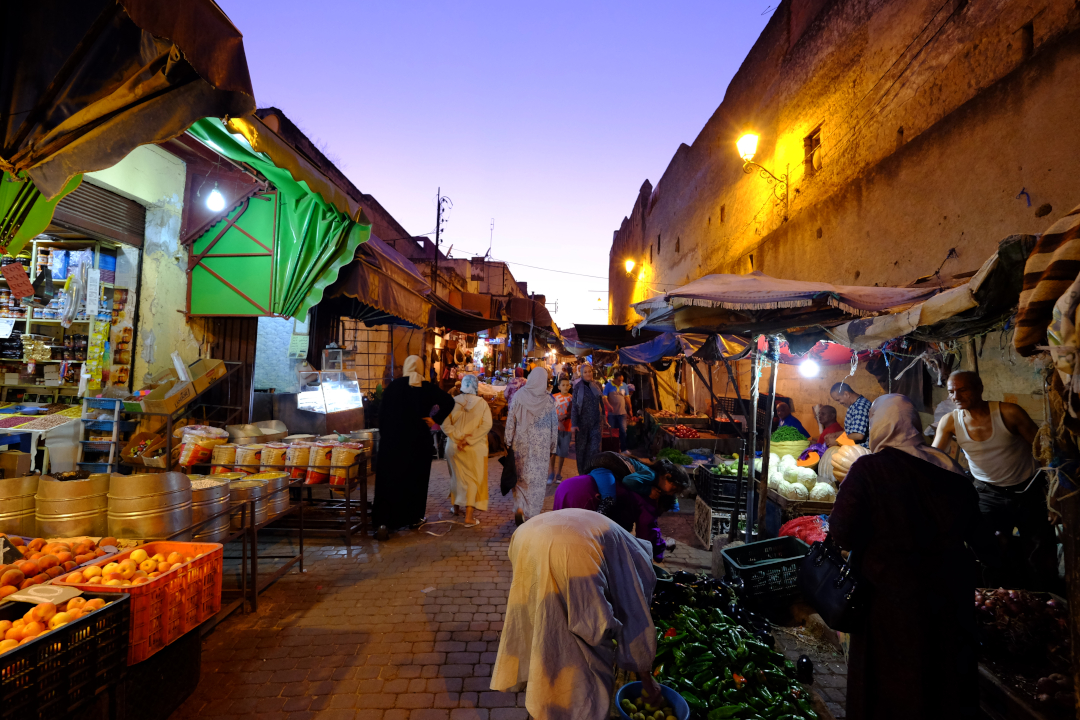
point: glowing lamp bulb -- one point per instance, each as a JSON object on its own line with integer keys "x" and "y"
{"x": 215, "y": 201}
{"x": 808, "y": 368}
{"x": 747, "y": 145}
{"x": 629, "y": 266}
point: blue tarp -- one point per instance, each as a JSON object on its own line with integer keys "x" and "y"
{"x": 671, "y": 344}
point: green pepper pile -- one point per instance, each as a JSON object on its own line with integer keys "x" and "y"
{"x": 787, "y": 434}
{"x": 723, "y": 671}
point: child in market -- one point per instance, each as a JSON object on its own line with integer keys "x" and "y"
{"x": 562, "y": 447}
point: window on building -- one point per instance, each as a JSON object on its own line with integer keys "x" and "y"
{"x": 677, "y": 240}
{"x": 658, "y": 243}
{"x": 812, "y": 151}
{"x": 650, "y": 252}
{"x": 723, "y": 213}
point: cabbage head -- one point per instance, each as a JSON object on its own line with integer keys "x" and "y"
{"x": 823, "y": 492}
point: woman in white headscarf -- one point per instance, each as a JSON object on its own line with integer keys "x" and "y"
{"x": 467, "y": 450}
{"x": 532, "y": 430}
{"x": 910, "y": 520}
{"x": 410, "y": 407}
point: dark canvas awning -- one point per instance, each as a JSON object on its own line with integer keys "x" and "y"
{"x": 611, "y": 337}
{"x": 85, "y": 82}
{"x": 448, "y": 316}
{"x": 380, "y": 287}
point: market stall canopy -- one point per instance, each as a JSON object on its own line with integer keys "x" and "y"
{"x": 984, "y": 301}
{"x": 532, "y": 312}
{"x": 301, "y": 240}
{"x": 384, "y": 287}
{"x": 757, "y": 303}
{"x": 611, "y": 337}
{"x": 665, "y": 345}
{"x": 448, "y": 316}
{"x": 84, "y": 83}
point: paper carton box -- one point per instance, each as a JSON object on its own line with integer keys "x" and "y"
{"x": 205, "y": 372}
{"x": 14, "y": 463}
{"x": 168, "y": 397}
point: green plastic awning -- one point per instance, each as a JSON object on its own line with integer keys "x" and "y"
{"x": 24, "y": 211}
{"x": 296, "y": 250}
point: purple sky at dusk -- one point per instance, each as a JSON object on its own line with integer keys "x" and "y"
{"x": 546, "y": 117}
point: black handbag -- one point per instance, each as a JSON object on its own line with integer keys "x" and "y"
{"x": 829, "y": 584}
{"x": 509, "y": 472}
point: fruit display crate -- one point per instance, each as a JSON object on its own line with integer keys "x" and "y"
{"x": 769, "y": 568}
{"x": 170, "y": 605}
{"x": 707, "y": 522}
{"x": 58, "y": 674}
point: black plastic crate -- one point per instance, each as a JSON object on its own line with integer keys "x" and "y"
{"x": 718, "y": 491}
{"x": 769, "y": 569}
{"x": 58, "y": 675}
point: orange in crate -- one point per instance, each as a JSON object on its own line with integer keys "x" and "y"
{"x": 170, "y": 605}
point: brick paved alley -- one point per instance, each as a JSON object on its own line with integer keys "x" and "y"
{"x": 406, "y": 629}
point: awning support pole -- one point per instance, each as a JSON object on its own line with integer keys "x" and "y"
{"x": 763, "y": 483}
{"x": 751, "y": 449}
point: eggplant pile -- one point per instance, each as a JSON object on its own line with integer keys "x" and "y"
{"x": 1023, "y": 627}
{"x": 719, "y": 656}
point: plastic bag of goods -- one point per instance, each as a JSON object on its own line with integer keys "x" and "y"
{"x": 808, "y": 528}
{"x": 319, "y": 462}
{"x": 249, "y": 458}
{"x": 273, "y": 457}
{"x": 341, "y": 460}
{"x": 199, "y": 442}
{"x": 296, "y": 460}
{"x": 223, "y": 458}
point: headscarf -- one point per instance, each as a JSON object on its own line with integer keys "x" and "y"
{"x": 469, "y": 385}
{"x": 519, "y": 372}
{"x": 413, "y": 369}
{"x": 532, "y": 400}
{"x": 895, "y": 423}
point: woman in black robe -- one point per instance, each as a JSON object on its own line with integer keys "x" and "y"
{"x": 906, "y": 514}
{"x": 405, "y": 448}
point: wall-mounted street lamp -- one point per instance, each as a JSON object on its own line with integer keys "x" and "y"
{"x": 629, "y": 267}
{"x": 747, "y": 145}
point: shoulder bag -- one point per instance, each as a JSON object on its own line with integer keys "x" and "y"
{"x": 509, "y": 471}
{"x": 829, "y": 584}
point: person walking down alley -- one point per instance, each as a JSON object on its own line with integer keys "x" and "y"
{"x": 997, "y": 437}
{"x": 467, "y": 450}
{"x": 562, "y": 398}
{"x": 405, "y": 448}
{"x": 532, "y": 430}
{"x": 908, "y": 517}
{"x": 578, "y": 608}
{"x": 617, "y": 394}
{"x": 586, "y": 416}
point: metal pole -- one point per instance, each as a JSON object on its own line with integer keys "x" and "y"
{"x": 438, "y": 228}
{"x": 751, "y": 442}
{"x": 763, "y": 483}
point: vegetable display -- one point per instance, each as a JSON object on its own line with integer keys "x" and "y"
{"x": 682, "y": 431}
{"x": 787, "y": 434}
{"x": 676, "y": 456}
{"x": 843, "y": 459}
{"x": 720, "y": 657}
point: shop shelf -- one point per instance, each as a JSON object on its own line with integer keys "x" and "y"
{"x": 96, "y": 467}
{"x": 59, "y": 674}
{"x": 107, "y": 425}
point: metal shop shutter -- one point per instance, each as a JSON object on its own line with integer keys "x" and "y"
{"x": 103, "y": 214}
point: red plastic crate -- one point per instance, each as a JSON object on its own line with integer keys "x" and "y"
{"x": 170, "y": 605}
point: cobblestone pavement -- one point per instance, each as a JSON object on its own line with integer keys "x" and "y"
{"x": 406, "y": 629}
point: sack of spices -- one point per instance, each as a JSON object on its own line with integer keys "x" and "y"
{"x": 341, "y": 460}
{"x": 273, "y": 456}
{"x": 199, "y": 442}
{"x": 249, "y": 458}
{"x": 296, "y": 460}
{"x": 223, "y": 458}
{"x": 319, "y": 463}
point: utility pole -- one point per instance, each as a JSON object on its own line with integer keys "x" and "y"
{"x": 438, "y": 230}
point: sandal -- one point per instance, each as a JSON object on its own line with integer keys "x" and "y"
{"x": 472, "y": 524}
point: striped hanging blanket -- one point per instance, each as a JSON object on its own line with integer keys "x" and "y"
{"x": 1049, "y": 271}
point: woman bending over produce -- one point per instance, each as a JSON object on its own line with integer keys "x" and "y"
{"x": 906, "y": 517}
{"x": 634, "y": 493}
{"x": 578, "y": 607}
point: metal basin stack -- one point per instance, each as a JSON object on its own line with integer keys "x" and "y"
{"x": 70, "y": 508}
{"x": 241, "y": 491}
{"x": 152, "y": 506}
{"x": 209, "y": 496}
{"x": 276, "y": 494}
{"x": 17, "y": 505}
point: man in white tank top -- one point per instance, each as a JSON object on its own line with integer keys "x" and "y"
{"x": 997, "y": 437}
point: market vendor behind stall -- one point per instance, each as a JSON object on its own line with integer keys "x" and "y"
{"x": 784, "y": 418}
{"x": 826, "y": 417}
{"x": 857, "y": 417}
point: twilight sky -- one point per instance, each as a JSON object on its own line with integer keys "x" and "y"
{"x": 546, "y": 117}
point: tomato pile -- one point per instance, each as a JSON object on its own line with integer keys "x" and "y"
{"x": 682, "y": 431}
